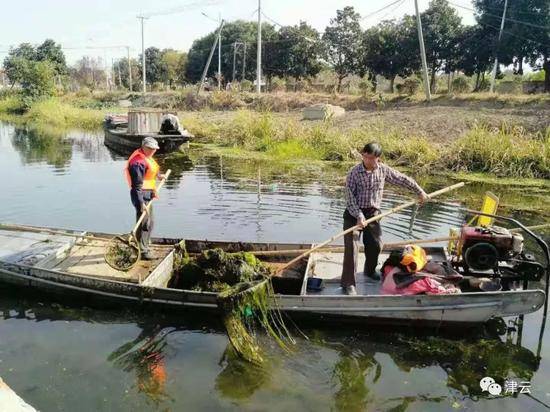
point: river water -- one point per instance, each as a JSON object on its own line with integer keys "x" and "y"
{"x": 64, "y": 358}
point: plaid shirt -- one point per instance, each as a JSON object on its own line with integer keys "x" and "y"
{"x": 364, "y": 188}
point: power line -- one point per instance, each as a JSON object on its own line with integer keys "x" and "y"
{"x": 180, "y": 9}
{"x": 515, "y": 11}
{"x": 379, "y": 10}
{"x": 392, "y": 10}
{"x": 508, "y": 18}
{"x": 515, "y": 35}
{"x": 271, "y": 20}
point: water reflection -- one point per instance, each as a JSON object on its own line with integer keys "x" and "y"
{"x": 38, "y": 146}
{"x": 144, "y": 357}
{"x": 336, "y": 368}
{"x": 238, "y": 380}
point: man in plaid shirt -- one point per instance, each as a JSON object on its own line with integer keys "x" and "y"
{"x": 364, "y": 190}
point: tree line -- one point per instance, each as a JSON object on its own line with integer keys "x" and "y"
{"x": 388, "y": 49}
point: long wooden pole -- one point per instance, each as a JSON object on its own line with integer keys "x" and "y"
{"x": 146, "y": 211}
{"x": 370, "y": 220}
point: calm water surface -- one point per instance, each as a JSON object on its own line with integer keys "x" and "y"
{"x": 61, "y": 358}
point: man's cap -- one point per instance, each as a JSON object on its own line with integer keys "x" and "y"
{"x": 150, "y": 142}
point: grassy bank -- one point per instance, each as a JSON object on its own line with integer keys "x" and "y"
{"x": 62, "y": 113}
{"x": 496, "y": 140}
{"x": 504, "y": 151}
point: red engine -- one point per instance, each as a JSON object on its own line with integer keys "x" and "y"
{"x": 482, "y": 248}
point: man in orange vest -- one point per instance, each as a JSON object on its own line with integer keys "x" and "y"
{"x": 141, "y": 174}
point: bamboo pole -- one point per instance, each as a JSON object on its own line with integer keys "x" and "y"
{"x": 370, "y": 220}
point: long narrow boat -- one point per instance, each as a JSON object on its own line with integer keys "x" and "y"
{"x": 120, "y": 140}
{"x": 66, "y": 265}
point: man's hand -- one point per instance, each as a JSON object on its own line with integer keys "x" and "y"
{"x": 362, "y": 222}
{"x": 161, "y": 176}
{"x": 423, "y": 198}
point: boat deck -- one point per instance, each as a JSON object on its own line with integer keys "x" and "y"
{"x": 328, "y": 266}
{"x": 71, "y": 254}
{"x": 87, "y": 258}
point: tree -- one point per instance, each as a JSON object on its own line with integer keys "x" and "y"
{"x": 526, "y": 34}
{"x": 88, "y": 72}
{"x": 237, "y": 31}
{"x": 17, "y": 60}
{"x": 182, "y": 67}
{"x": 121, "y": 66}
{"x": 390, "y": 49}
{"x": 37, "y": 81}
{"x": 441, "y": 26}
{"x": 156, "y": 70}
{"x": 342, "y": 40}
{"x": 475, "y": 53}
{"x": 171, "y": 60}
{"x": 50, "y": 51}
{"x": 297, "y": 51}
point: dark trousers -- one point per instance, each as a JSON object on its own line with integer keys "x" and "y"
{"x": 144, "y": 231}
{"x": 372, "y": 235}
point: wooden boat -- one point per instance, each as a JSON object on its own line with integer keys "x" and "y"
{"x": 115, "y": 121}
{"x": 68, "y": 266}
{"x": 10, "y": 401}
{"x": 122, "y": 141}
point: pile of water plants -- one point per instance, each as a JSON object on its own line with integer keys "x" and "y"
{"x": 245, "y": 296}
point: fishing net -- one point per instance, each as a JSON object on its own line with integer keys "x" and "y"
{"x": 245, "y": 297}
{"x": 122, "y": 254}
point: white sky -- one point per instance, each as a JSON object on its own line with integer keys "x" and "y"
{"x": 112, "y": 23}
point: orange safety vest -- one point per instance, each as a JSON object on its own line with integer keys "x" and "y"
{"x": 413, "y": 258}
{"x": 150, "y": 178}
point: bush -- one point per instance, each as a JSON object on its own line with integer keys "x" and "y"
{"x": 484, "y": 85}
{"x": 84, "y": 92}
{"x": 158, "y": 87}
{"x": 504, "y": 151}
{"x": 37, "y": 82}
{"x": 409, "y": 87}
{"x": 10, "y": 103}
{"x": 365, "y": 87}
{"x": 246, "y": 85}
{"x": 303, "y": 86}
{"x": 221, "y": 100}
{"x": 278, "y": 85}
{"x": 460, "y": 85}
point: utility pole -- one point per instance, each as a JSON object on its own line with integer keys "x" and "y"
{"x": 235, "y": 44}
{"x": 235, "y": 49}
{"x": 144, "y": 79}
{"x": 219, "y": 48}
{"x": 220, "y": 55}
{"x": 119, "y": 75}
{"x": 244, "y": 60}
{"x": 201, "y": 84}
{"x": 113, "y": 75}
{"x": 494, "y": 73}
{"x": 129, "y": 68}
{"x": 259, "y": 50}
{"x": 422, "y": 53}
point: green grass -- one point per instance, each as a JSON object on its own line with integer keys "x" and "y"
{"x": 507, "y": 151}
{"x": 58, "y": 114}
{"x": 10, "y": 104}
{"x": 61, "y": 113}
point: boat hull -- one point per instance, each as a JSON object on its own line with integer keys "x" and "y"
{"x": 464, "y": 309}
{"x": 121, "y": 141}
